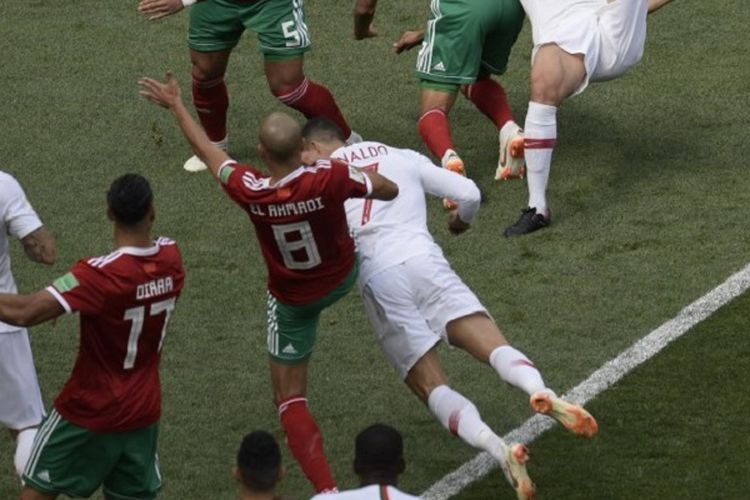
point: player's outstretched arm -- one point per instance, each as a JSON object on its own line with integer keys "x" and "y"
{"x": 40, "y": 246}
{"x": 158, "y": 9}
{"x": 364, "y": 13}
{"x": 408, "y": 40}
{"x": 29, "y": 310}
{"x": 654, "y": 5}
{"x": 382, "y": 187}
{"x": 168, "y": 95}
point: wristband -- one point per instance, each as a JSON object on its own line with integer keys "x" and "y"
{"x": 188, "y": 3}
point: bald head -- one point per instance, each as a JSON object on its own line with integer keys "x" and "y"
{"x": 280, "y": 138}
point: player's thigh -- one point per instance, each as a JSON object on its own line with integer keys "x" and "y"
{"x": 441, "y": 295}
{"x": 22, "y": 405}
{"x": 426, "y": 375}
{"x": 502, "y": 34}
{"x": 214, "y": 26}
{"x": 69, "y": 459}
{"x": 280, "y": 26}
{"x": 452, "y": 47}
{"x": 136, "y": 474}
{"x": 292, "y": 329}
{"x": 402, "y": 333}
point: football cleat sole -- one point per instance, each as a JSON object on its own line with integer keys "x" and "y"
{"x": 514, "y": 468}
{"x": 572, "y": 417}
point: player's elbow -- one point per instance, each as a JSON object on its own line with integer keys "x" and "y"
{"x": 49, "y": 255}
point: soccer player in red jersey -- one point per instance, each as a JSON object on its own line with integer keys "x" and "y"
{"x": 300, "y": 222}
{"x": 215, "y": 29}
{"x": 103, "y": 428}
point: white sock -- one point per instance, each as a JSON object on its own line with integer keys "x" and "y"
{"x": 460, "y": 417}
{"x": 222, "y": 144}
{"x": 515, "y": 368}
{"x": 540, "y": 131}
{"x": 24, "y": 444}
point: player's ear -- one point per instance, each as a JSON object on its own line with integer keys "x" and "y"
{"x": 282, "y": 474}
{"x": 151, "y": 213}
{"x": 236, "y": 474}
{"x": 110, "y": 215}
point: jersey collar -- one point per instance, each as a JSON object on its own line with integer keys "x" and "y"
{"x": 139, "y": 251}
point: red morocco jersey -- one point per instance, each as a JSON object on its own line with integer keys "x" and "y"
{"x": 125, "y": 300}
{"x": 301, "y": 224}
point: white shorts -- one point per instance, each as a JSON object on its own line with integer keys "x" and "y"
{"x": 610, "y": 36}
{"x": 20, "y": 399}
{"x": 409, "y": 306}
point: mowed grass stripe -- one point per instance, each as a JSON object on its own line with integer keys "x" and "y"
{"x": 602, "y": 379}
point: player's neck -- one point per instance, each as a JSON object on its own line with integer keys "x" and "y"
{"x": 379, "y": 479}
{"x": 280, "y": 170}
{"x": 138, "y": 238}
{"x": 246, "y": 494}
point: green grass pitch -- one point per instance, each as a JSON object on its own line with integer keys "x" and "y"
{"x": 650, "y": 198}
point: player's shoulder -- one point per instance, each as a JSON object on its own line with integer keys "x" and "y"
{"x": 9, "y": 185}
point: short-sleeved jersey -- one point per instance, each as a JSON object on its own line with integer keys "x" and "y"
{"x": 300, "y": 223}
{"x": 125, "y": 300}
{"x": 17, "y": 219}
{"x": 372, "y": 492}
{"x": 389, "y": 233}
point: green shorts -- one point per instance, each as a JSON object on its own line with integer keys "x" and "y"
{"x": 279, "y": 24}
{"x": 464, "y": 38}
{"x": 292, "y": 329}
{"x": 75, "y": 461}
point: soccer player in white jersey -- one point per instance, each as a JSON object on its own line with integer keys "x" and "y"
{"x": 378, "y": 461}
{"x": 22, "y": 409}
{"x": 575, "y": 42}
{"x": 414, "y": 299}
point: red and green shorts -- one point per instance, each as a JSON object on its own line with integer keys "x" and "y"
{"x": 292, "y": 328}
{"x": 217, "y": 25}
{"x": 74, "y": 461}
{"x": 466, "y": 38}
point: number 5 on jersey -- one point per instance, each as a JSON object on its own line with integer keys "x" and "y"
{"x": 136, "y": 316}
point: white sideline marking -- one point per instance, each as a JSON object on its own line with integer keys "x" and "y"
{"x": 599, "y": 381}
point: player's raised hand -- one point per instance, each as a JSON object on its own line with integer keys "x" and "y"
{"x": 455, "y": 224}
{"x": 408, "y": 40}
{"x": 166, "y": 95}
{"x": 157, "y": 9}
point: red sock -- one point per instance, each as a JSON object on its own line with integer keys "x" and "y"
{"x": 489, "y": 97}
{"x": 211, "y": 102}
{"x": 305, "y": 442}
{"x": 313, "y": 100}
{"x": 436, "y": 132}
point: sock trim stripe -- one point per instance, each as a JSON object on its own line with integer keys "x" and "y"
{"x": 296, "y": 94}
{"x": 453, "y": 421}
{"x": 524, "y": 362}
{"x": 436, "y": 110}
{"x": 539, "y": 143}
{"x": 284, "y": 405}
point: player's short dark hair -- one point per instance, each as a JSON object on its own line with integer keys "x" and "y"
{"x": 130, "y": 198}
{"x": 379, "y": 449}
{"x": 322, "y": 129}
{"x": 259, "y": 461}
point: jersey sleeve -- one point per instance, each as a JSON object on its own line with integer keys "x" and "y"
{"x": 348, "y": 182}
{"x": 20, "y": 218}
{"x": 82, "y": 290}
{"x": 239, "y": 181}
{"x": 446, "y": 184}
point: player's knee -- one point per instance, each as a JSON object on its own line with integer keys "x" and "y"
{"x": 546, "y": 87}
{"x": 203, "y": 74}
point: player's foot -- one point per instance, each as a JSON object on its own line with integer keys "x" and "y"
{"x": 511, "y": 163}
{"x": 354, "y": 138}
{"x": 195, "y": 164}
{"x": 529, "y": 222}
{"x": 451, "y": 161}
{"x": 572, "y": 417}
{"x": 514, "y": 468}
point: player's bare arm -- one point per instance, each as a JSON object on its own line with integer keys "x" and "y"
{"x": 168, "y": 95}
{"x": 408, "y": 40}
{"x": 29, "y": 310}
{"x": 364, "y": 12}
{"x": 456, "y": 225}
{"x": 654, "y": 5}
{"x": 158, "y": 9}
{"x": 40, "y": 246}
{"x": 382, "y": 187}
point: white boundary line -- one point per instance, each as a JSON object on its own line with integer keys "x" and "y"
{"x": 599, "y": 381}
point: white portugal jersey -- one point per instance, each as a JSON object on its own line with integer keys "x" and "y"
{"x": 372, "y": 492}
{"x": 17, "y": 219}
{"x": 388, "y": 233}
